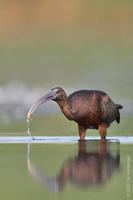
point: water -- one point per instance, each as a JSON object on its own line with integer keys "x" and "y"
{"x": 55, "y": 165}
{"x": 28, "y": 128}
{"x": 93, "y": 169}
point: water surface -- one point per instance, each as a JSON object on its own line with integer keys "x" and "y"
{"x": 91, "y": 169}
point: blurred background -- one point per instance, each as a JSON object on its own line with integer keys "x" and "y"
{"x": 75, "y": 44}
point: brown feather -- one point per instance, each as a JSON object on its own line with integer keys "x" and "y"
{"x": 118, "y": 106}
{"x": 118, "y": 116}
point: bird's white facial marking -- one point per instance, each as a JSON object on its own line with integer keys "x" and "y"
{"x": 55, "y": 90}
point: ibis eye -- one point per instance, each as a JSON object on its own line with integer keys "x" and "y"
{"x": 55, "y": 90}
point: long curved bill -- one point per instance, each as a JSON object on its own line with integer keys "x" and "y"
{"x": 49, "y": 96}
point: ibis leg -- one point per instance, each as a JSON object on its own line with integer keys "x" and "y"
{"x": 82, "y": 131}
{"x": 102, "y": 130}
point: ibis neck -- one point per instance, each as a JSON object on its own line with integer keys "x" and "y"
{"x": 66, "y": 109}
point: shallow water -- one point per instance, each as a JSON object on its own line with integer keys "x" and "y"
{"x": 91, "y": 169}
{"x": 52, "y": 167}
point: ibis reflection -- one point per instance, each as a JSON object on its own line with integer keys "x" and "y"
{"x": 93, "y": 165}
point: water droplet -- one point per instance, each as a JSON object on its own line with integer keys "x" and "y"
{"x": 28, "y": 128}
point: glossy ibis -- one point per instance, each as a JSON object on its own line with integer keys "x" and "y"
{"x": 90, "y": 109}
